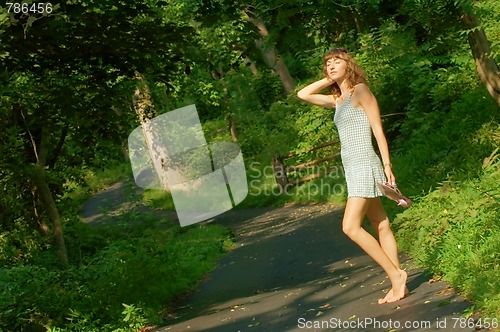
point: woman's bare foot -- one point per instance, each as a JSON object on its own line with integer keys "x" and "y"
{"x": 387, "y": 296}
{"x": 390, "y": 294}
{"x": 398, "y": 291}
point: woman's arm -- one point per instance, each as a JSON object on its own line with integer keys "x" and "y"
{"x": 365, "y": 98}
{"x": 311, "y": 93}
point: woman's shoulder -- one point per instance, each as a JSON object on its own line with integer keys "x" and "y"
{"x": 361, "y": 95}
{"x": 361, "y": 90}
{"x": 361, "y": 87}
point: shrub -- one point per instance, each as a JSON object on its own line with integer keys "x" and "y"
{"x": 145, "y": 269}
{"x": 454, "y": 231}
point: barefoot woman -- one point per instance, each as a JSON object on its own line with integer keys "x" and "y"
{"x": 357, "y": 115}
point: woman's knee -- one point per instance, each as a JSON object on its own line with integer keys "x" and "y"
{"x": 384, "y": 226}
{"x": 350, "y": 229}
{"x": 354, "y": 214}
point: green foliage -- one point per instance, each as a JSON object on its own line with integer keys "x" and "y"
{"x": 65, "y": 98}
{"x": 267, "y": 88}
{"x": 447, "y": 146}
{"x": 70, "y": 75}
{"x": 145, "y": 267}
{"x": 140, "y": 261}
{"x": 288, "y": 126}
{"x": 448, "y": 167}
{"x": 159, "y": 199}
{"x": 454, "y": 232}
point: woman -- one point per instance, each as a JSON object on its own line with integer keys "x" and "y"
{"x": 357, "y": 115}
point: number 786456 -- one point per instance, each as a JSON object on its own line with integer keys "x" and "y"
{"x": 33, "y": 8}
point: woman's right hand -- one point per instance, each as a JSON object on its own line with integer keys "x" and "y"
{"x": 311, "y": 94}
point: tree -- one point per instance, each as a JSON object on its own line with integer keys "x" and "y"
{"x": 442, "y": 21}
{"x": 229, "y": 14}
{"x": 75, "y": 67}
{"x": 273, "y": 60}
{"x": 486, "y": 66}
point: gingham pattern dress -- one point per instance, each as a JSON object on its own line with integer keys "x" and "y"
{"x": 362, "y": 166}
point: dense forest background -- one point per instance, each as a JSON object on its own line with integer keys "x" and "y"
{"x": 77, "y": 76}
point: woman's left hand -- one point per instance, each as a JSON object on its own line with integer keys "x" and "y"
{"x": 389, "y": 174}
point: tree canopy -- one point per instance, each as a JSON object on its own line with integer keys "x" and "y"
{"x": 70, "y": 75}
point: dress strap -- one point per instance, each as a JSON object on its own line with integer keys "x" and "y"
{"x": 348, "y": 98}
{"x": 337, "y": 101}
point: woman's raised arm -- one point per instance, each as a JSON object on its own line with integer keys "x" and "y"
{"x": 311, "y": 93}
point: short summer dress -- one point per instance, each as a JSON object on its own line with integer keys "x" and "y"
{"x": 362, "y": 166}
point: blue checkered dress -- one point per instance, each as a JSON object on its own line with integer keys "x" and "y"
{"x": 362, "y": 166}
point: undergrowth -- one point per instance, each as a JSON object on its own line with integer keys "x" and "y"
{"x": 451, "y": 168}
{"x": 122, "y": 274}
{"x": 454, "y": 232}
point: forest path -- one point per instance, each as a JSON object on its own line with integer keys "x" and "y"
{"x": 120, "y": 198}
{"x": 293, "y": 269}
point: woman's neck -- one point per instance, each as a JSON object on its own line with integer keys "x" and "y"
{"x": 344, "y": 89}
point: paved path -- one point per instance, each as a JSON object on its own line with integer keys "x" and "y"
{"x": 293, "y": 270}
{"x": 120, "y": 198}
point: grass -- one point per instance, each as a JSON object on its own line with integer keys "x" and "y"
{"x": 159, "y": 199}
{"x": 454, "y": 232}
{"x": 452, "y": 171}
{"x": 122, "y": 275}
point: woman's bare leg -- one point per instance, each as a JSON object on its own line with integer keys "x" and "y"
{"x": 380, "y": 222}
{"x": 355, "y": 211}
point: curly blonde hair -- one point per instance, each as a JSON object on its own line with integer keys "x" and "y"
{"x": 354, "y": 73}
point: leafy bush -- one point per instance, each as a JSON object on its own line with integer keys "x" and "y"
{"x": 454, "y": 231}
{"x": 449, "y": 166}
{"x": 146, "y": 269}
{"x": 447, "y": 146}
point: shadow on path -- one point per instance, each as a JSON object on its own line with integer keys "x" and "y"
{"x": 293, "y": 269}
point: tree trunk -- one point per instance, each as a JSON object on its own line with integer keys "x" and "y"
{"x": 232, "y": 129}
{"x": 486, "y": 67}
{"x": 37, "y": 174}
{"x": 249, "y": 63}
{"x": 59, "y": 146}
{"x": 357, "y": 21}
{"x": 47, "y": 200}
{"x": 144, "y": 109}
{"x": 42, "y": 225}
{"x": 230, "y": 115}
{"x": 271, "y": 58}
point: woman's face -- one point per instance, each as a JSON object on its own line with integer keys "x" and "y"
{"x": 336, "y": 69}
